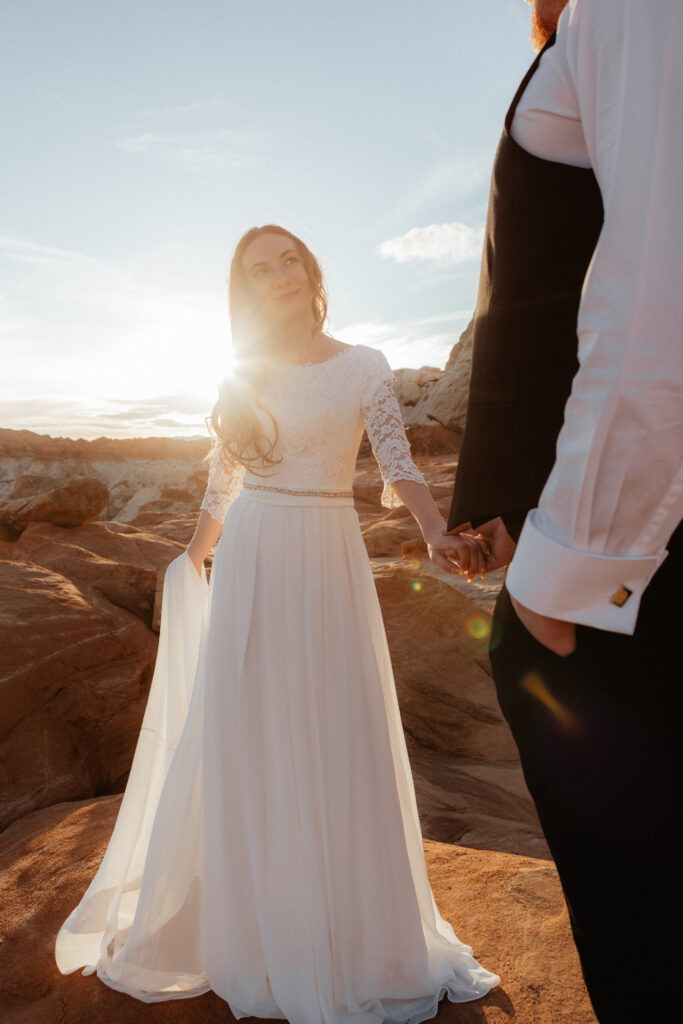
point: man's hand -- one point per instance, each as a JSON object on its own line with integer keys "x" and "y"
{"x": 464, "y": 556}
{"x": 555, "y": 634}
{"x": 499, "y": 546}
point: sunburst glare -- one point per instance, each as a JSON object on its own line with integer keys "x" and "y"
{"x": 534, "y": 685}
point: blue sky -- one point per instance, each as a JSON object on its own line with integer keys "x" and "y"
{"x": 140, "y": 138}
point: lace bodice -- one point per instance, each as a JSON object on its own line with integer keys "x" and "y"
{"x": 321, "y": 410}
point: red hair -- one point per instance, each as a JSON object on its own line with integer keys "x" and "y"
{"x": 232, "y": 418}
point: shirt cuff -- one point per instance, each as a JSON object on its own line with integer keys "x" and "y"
{"x": 602, "y": 591}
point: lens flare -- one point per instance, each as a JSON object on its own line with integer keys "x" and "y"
{"x": 416, "y": 585}
{"x": 478, "y": 627}
{"x": 496, "y": 636}
{"x": 534, "y": 685}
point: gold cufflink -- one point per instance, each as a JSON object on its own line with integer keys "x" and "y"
{"x": 621, "y": 597}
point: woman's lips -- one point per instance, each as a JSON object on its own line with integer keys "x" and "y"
{"x": 287, "y": 295}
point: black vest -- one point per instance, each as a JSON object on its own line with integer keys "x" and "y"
{"x": 542, "y": 226}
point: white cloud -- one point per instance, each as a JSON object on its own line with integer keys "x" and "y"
{"x": 410, "y": 343}
{"x": 93, "y": 337}
{"x": 91, "y": 347}
{"x": 443, "y": 243}
{"x": 211, "y": 149}
{"x": 163, "y": 416}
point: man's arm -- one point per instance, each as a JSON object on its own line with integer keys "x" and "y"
{"x": 615, "y": 493}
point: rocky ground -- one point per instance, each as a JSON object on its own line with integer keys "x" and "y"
{"x": 86, "y": 532}
{"x": 509, "y": 908}
{"x": 82, "y": 602}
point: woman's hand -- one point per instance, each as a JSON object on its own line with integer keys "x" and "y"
{"x": 461, "y": 555}
{"x": 206, "y": 533}
{"x": 196, "y": 561}
{"x": 464, "y": 556}
{"x": 498, "y": 545}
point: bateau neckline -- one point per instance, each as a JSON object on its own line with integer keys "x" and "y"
{"x": 320, "y": 362}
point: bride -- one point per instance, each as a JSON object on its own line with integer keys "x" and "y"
{"x": 268, "y": 844}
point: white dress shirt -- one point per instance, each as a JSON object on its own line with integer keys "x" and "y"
{"x": 609, "y": 95}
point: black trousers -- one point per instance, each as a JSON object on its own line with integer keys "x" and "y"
{"x": 598, "y": 734}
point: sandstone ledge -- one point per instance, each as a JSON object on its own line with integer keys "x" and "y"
{"x": 508, "y": 908}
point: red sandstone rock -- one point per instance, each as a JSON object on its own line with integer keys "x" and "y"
{"x": 70, "y": 504}
{"x": 29, "y": 444}
{"x": 79, "y": 694}
{"x": 385, "y": 537}
{"x": 509, "y": 909}
{"x": 432, "y": 439}
{"x": 117, "y": 560}
{"x": 467, "y": 774}
{"x": 446, "y": 399}
{"x": 468, "y": 790}
{"x": 74, "y": 679}
{"x": 117, "y": 542}
{"x": 178, "y": 527}
{"x": 30, "y": 484}
{"x": 77, "y": 659}
{"x": 136, "y": 470}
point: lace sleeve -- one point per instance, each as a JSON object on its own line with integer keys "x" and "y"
{"x": 387, "y": 434}
{"x": 224, "y": 484}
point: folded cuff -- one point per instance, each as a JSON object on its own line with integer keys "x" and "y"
{"x": 603, "y": 591}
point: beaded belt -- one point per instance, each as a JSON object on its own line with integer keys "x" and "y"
{"x": 287, "y": 490}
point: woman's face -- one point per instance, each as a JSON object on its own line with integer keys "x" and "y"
{"x": 277, "y": 277}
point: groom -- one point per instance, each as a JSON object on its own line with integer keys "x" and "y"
{"x": 571, "y": 461}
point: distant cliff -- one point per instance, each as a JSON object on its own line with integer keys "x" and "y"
{"x": 60, "y": 480}
{"x": 430, "y": 396}
{"x": 87, "y": 529}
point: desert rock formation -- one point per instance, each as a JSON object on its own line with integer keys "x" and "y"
{"x": 508, "y": 908}
{"x": 79, "y": 602}
{"x": 430, "y": 396}
{"x": 153, "y": 475}
{"x": 84, "y": 601}
{"x": 36, "y": 499}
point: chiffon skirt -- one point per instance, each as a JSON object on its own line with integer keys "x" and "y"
{"x": 268, "y": 845}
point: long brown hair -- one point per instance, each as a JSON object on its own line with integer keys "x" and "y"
{"x": 233, "y": 419}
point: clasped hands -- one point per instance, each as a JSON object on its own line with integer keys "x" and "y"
{"x": 468, "y": 553}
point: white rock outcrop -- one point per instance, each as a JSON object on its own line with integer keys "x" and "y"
{"x": 429, "y": 395}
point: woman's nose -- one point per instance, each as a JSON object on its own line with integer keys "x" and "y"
{"x": 281, "y": 278}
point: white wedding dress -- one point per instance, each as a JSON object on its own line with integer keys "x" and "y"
{"x": 268, "y": 844}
